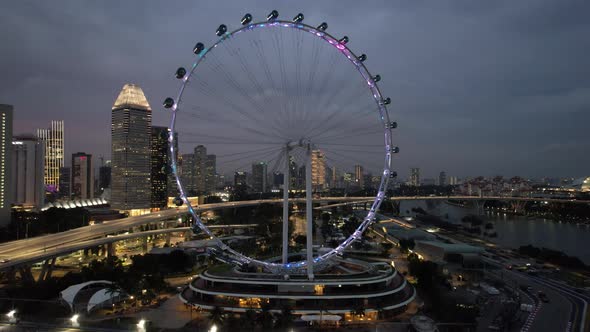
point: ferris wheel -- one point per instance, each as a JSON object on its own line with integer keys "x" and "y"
{"x": 283, "y": 92}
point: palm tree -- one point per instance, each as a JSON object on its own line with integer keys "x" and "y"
{"x": 217, "y": 316}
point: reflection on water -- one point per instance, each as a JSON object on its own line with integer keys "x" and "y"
{"x": 514, "y": 231}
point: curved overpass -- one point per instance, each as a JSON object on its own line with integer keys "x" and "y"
{"x": 52, "y": 245}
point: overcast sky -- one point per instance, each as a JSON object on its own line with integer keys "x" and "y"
{"x": 478, "y": 87}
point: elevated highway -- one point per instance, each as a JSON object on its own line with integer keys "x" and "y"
{"x": 42, "y": 247}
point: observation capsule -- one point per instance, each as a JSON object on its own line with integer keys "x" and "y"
{"x": 387, "y": 101}
{"x": 178, "y": 201}
{"x": 246, "y": 19}
{"x": 392, "y": 125}
{"x": 180, "y": 72}
{"x": 377, "y": 78}
{"x": 392, "y": 174}
{"x": 362, "y": 57}
{"x": 343, "y": 40}
{"x": 221, "y": 30}
{"x": 196, "y": 229}
{"x": 395, "y": 149}
{"x": 168, "y": 102}
{"x": 198, "y": 48}
{"x": 272, "y": 16}
{"x": 323, "y": 26}
{"x": 298, "y": 18}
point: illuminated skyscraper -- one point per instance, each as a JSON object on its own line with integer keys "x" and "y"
{"x": 82, "y": 176}
{"x": 53, "y": 139}
{"x": 359, "y": 178}
{"x": 318, "y": 170}
{"x": 28, "y": 171}
{"x": 259, "y": 175}
{"x": 414, "y": 177}
{"x": 210, "y": 172}
{"x": 160, "y": 164}
{"x": 5, "y": 162}
{"x": 131, "y": 163}
{"x": 200, "y": 160}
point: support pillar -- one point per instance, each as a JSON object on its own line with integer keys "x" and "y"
{"x": 144, "y": 244}
{"x": 309, "y": 214}
{"x": 286, "y": 183}
{"x": 168, "y": 237}
{"x": 111, "y": 250}
{"x": 50, "y": 268}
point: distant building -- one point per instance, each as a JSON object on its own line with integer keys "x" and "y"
{"x": 82, "y": 176}
{"x": 358, "y": 176}
{"x": 415, "y": 177}
{"x": 5, "y": 162}
{"x": 334, "y": 181}
{"x": 65, "y": 182}
{"x": 28, "y": 172}
{"x": 240, "y": 179}
{"x": 53, "y": 138}
{"x": 187, "y": 172}
{"x": 259, "y": 170}
{"x": 172, "y": 185}
{"x": 104, "y": 176}
{"x": 453, "y": 181}
{"x": 200, "y": 165}
{"x": 210, "y": 173}
{"x": 318, "y": 170}
{"x": 159, "y": 166}
{"x": 442, "y": 179}
{"x": 131, "y": 163}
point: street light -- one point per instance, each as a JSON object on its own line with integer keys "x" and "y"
{"x": 141, "y": 325}
{"x": 11, "y": 315}
{"x": 213, "y": 328}
{"x": 74, "y": 320}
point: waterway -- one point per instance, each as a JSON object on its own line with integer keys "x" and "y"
{"x": 514, "y": 231}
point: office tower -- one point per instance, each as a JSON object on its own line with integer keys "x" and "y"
{"x": 318, "y": 170}
{"x": 210, "y": 172}
{"x": 200, "y": 161}
{"x": 65, "y": 182}
{"x": 453, "y": 181}
{"x": 414, "y": 177}
{"x": 347, "y": 179}
{"x": 160, "y": 165}
{"x": 82, "y": 176}
{"x": 104, "y": 176}
{"x": 277, "y": 179}
{"x": 333, "y": 177}
{"x": 53, "y": 139}
{"x": 172, "y": 185}
{"x": 130, "y": 145}
{"x": 5, "y": 162}
{"x": 186, "y": 170}
{"x": 28, "y": 172}
{"x": 442, "y": 179}
{"x": 259, "y": 171}
{"x": 358, "y": 176}
{"x": 240, "y": 179}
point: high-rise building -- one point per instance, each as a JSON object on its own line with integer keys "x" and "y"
{"x": 186, "y": 170}
{"x": 82, "y": 176}
{"x": 5, "y": 162}
{"x": 210, "y": 172}
{"x": 277, "y": 179}
{"x": 414, "y": 177}
{"x": 28, "y": 172}
{"x": 358, "y": 176}
{"x": 65, "y": 182}
{"x": 453, "y": 181}
{"x": 172, "y": 185}
{"x": 200, "y": 172}
{"x": 442, "y": 179}
{"x": 318, "y": 170}
{"x": 104, "y": 176}
{"x": 131, "y": 129}
{"x": 259, "y": 172}
{"x": 160, "y": 165}
{"x": 240, "y": 179}
{"x": 334, "y": 180}
{"x": 53, "y": 139}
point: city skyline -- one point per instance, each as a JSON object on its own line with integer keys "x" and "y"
{"x": 481, "y": 129}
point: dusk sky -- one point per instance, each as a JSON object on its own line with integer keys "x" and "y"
{"x": 477, "y": 87}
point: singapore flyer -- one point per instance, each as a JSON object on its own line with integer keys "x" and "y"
{"x": 291, "y": 95}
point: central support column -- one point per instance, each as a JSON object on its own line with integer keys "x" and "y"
{"x": 309, "y": 214}
{"x": 286, "y": 181}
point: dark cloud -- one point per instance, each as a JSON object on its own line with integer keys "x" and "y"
{"x": 478, "y": 87}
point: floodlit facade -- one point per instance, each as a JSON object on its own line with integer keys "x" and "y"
{"x": 5, "y": 162}
{"x": 53, "y": 139}
{"x": 318, "y": 170}
{"x": 131, "y": 155}
{"x": 28, "y": 171}
{"x": 82, "y": 176}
